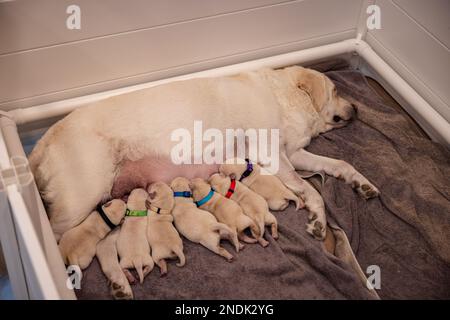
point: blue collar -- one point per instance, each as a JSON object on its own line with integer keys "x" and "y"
{"x": 205, "y": 199}
{"x": 184, "y": 194}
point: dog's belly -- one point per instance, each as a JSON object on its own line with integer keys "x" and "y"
{"x": 140, "y": 173}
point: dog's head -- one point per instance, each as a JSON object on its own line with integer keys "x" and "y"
{"x": 200, "y": 188}
{"x": 136, "y": 199}
{"x": 233, "y": 166}
{"x": 180, "y": 184}
{"x": 333, "y": 109}
{"x": 160, "y": 195}
{"x": 115, "y": 210}
{"x": 220, "y": 182}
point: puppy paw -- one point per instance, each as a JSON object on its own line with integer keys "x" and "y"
{"x": 316, "y": 226}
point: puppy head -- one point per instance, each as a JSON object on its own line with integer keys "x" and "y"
{"x": 180, "y": 184}
{"x": 160, "y": 195}
{"x": 333, "y": 109}
{"x": 234, "y": 166}
{"x": 219, "y": 182}
{"x": 199, "y": 188}
{"x": 115, "y": 210}
{"x": 136, "y": 199}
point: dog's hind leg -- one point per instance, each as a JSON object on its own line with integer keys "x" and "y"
{"x": 270, "y": 220}
{"x": 216, "y": 248}
{"x": 73, "y": 179}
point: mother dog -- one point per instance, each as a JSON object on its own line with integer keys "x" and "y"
{"x": 108, "y": 148}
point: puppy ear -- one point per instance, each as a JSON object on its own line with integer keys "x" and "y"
{"x": 152, "y": 195}
{"x": 147, "y": 204}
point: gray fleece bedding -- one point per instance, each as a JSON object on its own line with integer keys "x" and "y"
{"x": 406, "y": 232}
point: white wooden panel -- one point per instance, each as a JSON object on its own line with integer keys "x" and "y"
{"x": 29, "y": 24}
{"x": 415, "y": 51}
{"x": 83, "y": 63}
{"x": 433, "y": 15}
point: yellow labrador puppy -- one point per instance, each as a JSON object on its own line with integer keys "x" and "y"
{"x": 161, "y": 234}
{"x": 266, "y": 185}
{"x": 198, "y": 225}
{"x": 252, "y": 204}
{"x": 225, "y": 210}
{"x": 78, "y": 245}
{"x": 132, "y": 244}
{"x": 109, "y": 262}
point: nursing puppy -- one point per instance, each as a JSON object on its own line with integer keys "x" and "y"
{"x": 109, "y": 262}
{"x": 266, "y": 185}
{"x": 198, "y": 225}
{"x": 161, "y": 234}
{"x": 132, "y": 244}
{"x": 78, "y": 245}
{"x": 225, "y": 210}
{"x": 252, "y": 204}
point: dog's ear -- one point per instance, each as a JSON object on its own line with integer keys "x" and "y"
{"x": 147, "y": 204}
{"x": 315, "y": 85}
{"x": 152, "y": 195}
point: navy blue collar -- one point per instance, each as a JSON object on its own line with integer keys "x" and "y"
{"x": 184, "y": 194}
{"x": 205, "y": 199}
{"x": 248, "y": 171}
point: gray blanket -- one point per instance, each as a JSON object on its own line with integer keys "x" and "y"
{"x": 405, "y": 232}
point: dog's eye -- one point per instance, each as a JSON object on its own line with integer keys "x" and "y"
{"x": 336, "y": 119}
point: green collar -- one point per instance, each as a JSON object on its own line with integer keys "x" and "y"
{"x": 136, "y": 213}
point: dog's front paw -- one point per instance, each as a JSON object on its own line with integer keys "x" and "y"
{"x": 121, "y": 290}
{"x": 366, "y": 189}
{"x": 316, "y": 226}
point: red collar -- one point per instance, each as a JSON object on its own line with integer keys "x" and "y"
{"x": 231, "y": 189}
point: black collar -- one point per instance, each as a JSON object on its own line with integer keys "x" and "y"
{"x": 248, "y": 171}
{"x": 105, "y": 217}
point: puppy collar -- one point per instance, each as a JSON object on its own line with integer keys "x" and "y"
{"x": 104, "y": 217}
{"x": 158, "y": 210}
{"x": 231, "y": 189}
{"x": 205, "y": 199}
{"x": 136, "y": 213}
{"x": 248, "y": 171}
{"x": 184, "y": 194}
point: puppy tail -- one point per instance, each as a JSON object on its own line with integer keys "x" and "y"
{"x": 137, "y": 263}
{"x": 297, "y": 200}
{"x": 179, "y": 252}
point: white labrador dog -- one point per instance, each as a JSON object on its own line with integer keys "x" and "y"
{"x": 115, "y": 145}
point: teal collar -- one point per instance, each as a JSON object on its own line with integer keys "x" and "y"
{"x": 205, "y": 199}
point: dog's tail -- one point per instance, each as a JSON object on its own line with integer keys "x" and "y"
{"x": 289, "y": 195}
{"x": 179, "y": 252}
{"x": 137, "y": 263}
{"x": 225, "y": 231}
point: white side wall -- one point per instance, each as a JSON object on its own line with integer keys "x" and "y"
{"x": 415, "y": 39}
{"x": 127, "y": 42}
